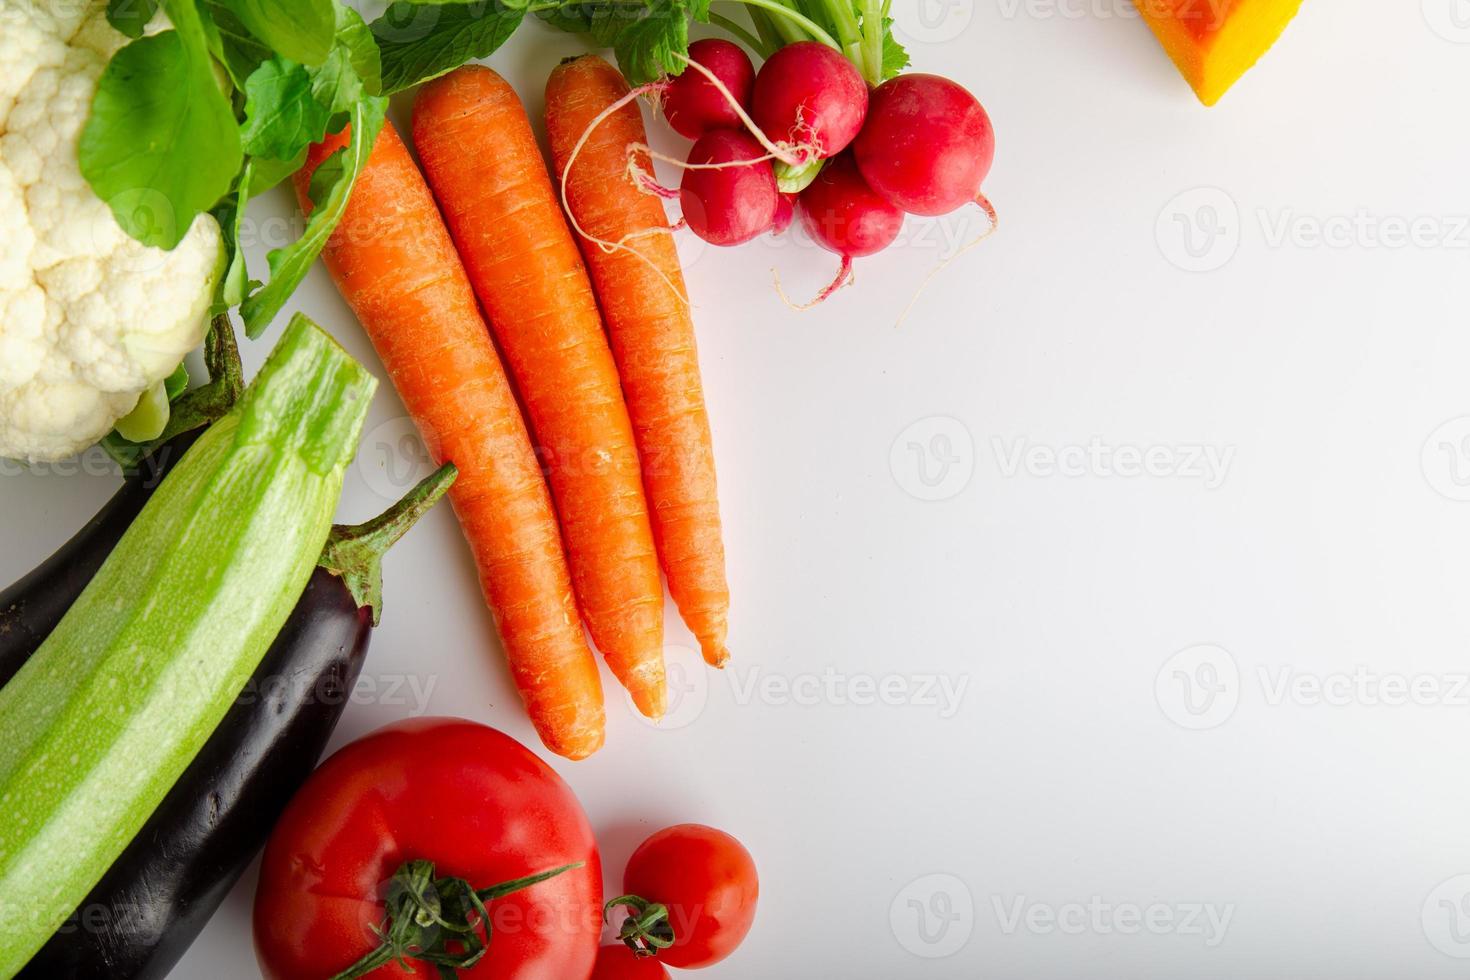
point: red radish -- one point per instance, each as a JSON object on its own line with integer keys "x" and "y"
{"x": 785, "y": 211}
{"x": 927, "y": 144}
{"x": 811, "y": 97}
{"x": 693, "y": 105}
{"x": 844, "y": 215}
{"x": 729, "y": 189}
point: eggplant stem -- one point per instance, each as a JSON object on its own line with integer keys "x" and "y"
{"x": 355, "y": 553}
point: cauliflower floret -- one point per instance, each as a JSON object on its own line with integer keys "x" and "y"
{"x": 89, "y": 317}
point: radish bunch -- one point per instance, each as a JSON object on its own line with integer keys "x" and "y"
{"x": 857, "y": 158}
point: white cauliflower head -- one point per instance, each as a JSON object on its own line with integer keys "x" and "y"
{"x": 89, "y": 317}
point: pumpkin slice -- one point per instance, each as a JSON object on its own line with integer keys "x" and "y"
{"x": 1214, "y": 42}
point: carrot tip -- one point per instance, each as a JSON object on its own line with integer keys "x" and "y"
{"x": 715, "y": 653}
{"x": 652, "y": 702}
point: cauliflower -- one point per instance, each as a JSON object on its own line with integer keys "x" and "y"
{"x": 90, "y": 319}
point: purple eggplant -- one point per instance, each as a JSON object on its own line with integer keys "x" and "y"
{"x": 156, "y": 898}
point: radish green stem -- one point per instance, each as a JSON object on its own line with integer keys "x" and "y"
{"x": 873, "y": 40}
{"x": 788, "y": 20}
{"x": 767, "y": 31}
{"x": 848, "y": 32}
{"x": 741, "y": 34}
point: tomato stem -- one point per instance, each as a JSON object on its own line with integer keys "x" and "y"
{"x": 647, "y": 930}
{"x": 437, "y": 921}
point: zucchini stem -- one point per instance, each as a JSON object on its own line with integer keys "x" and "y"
{"x": 355, "y": 553}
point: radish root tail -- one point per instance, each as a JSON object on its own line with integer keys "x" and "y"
{"x": 984, "y": 204}
{"x": 791, "y": 154}
{"x": 844, "y": 278}
{"x": 655, "y": 90}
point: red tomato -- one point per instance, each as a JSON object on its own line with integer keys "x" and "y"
{"x": 708, "y": 882}
{"x": 470, "y": 799}
{"x": 619, "y": 963}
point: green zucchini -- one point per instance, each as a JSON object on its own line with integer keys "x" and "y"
{"x": 109, "y": 711}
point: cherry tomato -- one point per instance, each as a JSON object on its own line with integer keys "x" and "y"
{"x": 708, "y": 882}
{"x": 358, "y": 837}
{"x": 619, "y": 963}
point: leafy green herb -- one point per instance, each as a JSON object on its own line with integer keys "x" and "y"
{"x": 289, "y": 265}
{"x": 282, "y": 115}
{"x": 646, "y": 35}
{"x": 175, "y": 384}
{"x": 267, "y": 173}
{"x": 895, "y": 57}
{"x": 234, "y": 282}
{"x": 325, "y": 177}
{"x": 156, "y": 105}
{"x": 651, "y": 37}
{"x": 352, "y": 67}
{"x": 646, "y": 49}
{"x": 423, "y": 41}
{"x": 131, "y": 16}
{"x": 302, "y": 30}
{"x": 231, "y": 43}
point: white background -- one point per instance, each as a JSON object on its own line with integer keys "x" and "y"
{"x": 1331, "y": 550}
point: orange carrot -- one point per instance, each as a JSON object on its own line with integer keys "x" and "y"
{"x": 394, "y": 263}
{"x": 641, "y": 291}
{"x": 486, "y": 172}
